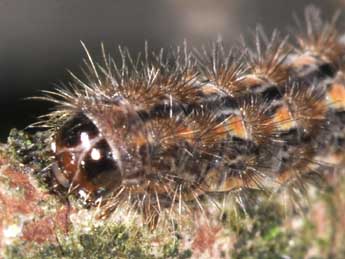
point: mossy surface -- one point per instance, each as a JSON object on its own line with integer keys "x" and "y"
{"x": 107, "y": 241}
{"x": 29, "y": 149}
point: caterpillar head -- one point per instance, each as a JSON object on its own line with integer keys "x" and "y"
{"x": 97, "y": 149}
{"x": 84, "y": 157}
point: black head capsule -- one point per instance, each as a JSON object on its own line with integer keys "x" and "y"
{"x": 85, "y": 160}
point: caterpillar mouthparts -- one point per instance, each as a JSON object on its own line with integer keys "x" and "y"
{"x": 165, "y": 129}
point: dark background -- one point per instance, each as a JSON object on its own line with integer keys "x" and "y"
{"x": 40, "y": 39}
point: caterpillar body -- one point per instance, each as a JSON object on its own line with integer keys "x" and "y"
{"x": 162, "y": 130}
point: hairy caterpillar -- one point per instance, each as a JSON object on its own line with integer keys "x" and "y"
{"x": 165, "y": 129}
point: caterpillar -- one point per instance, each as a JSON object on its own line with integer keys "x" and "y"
{"x": 162, "y": 130}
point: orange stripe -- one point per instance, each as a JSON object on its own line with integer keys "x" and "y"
{"x": 237, "y": 128}
{"x": 336, "y": 96}
{"x": 185, "y": 133}
{"x": 283, "y": 119}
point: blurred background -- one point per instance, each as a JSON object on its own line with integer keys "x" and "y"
{"x": 40, "y": 39}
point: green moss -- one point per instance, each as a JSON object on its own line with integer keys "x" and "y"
{"x": 171, "y": 250}
{"x": 263, "y": 236}
{"x": 262, "y": 230}
{"x": 107, "y": 241}
{"x": 33, "y": 151}
{"x": 29, "y": 149}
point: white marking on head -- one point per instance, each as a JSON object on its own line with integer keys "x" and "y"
{"x": 85, "y": 140}
{"x": 95, "y": 154}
